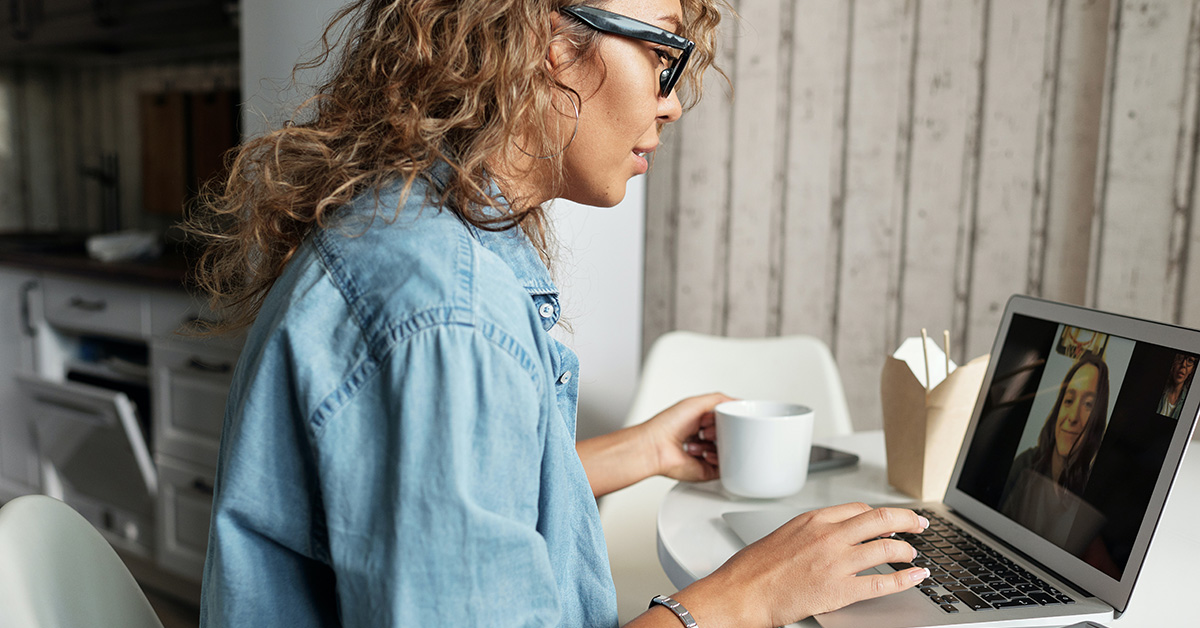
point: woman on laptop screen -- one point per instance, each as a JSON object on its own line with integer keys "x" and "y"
{"x": 1047, "y": 479}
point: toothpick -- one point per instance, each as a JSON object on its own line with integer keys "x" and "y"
{"x": 925, "y": 350}
{"x": 946, "y": 345}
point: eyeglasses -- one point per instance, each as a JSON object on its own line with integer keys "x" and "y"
{"x": 617, "y": 24}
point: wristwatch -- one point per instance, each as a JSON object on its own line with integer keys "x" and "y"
{"x": 675, "y": 607}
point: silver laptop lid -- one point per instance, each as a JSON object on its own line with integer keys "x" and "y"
{"x": 1076, "y": 437}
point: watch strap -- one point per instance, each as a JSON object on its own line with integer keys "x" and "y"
{"x": 675, "y": 607}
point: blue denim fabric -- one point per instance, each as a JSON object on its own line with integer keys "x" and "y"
{"x": 399, "y": 444}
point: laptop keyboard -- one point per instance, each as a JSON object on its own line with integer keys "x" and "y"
{"x": 966, "y": 573}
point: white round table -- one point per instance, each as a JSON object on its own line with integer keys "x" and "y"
{"x": 693, "y": 539}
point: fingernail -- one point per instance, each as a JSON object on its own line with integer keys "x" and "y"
{"x": 919, "y": 575}
{"x": 690, "y": 448}
{"x": 924, "y": 522}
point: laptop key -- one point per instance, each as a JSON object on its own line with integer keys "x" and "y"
{"x": 993, "y": 597}
{"x": 1007, "y": 604}
{"x": 1065, "y": 599}
{"x": 955, "y": 587}
{"x": 1015, "y": 602}
{"x": 973, "y": 602}
{"x": 929, "y": 591}
{"x": 1042, "y": 598}
{"x": 950, "y": 608}
{"x": 900, "y": 566}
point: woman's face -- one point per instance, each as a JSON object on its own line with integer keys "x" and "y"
{"x": 622, "y": 109}
{"x": 1183, "y": 367}
{"x": 1076, "y": 408}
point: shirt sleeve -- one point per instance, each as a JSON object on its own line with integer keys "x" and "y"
{"x": 430, "y": 477}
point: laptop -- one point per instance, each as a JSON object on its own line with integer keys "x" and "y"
{"x": 1076, "y": 437}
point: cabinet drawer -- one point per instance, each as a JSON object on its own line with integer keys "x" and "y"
{"x": 184, "y": 510}
{"x": 94, "y": 457}
{"x": 97, "y": 307}
{"x": 191, "y": 384}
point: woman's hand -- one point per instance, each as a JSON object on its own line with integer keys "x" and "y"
{"x": 808, "y": 566}
{"x": 677, "y": 442}
{"x": 683, "y": 439}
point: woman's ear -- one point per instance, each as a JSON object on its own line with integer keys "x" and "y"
{"x": 557, "y": 54}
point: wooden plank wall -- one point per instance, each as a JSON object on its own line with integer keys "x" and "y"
{"x": 888, "y": 165}
{"x": 58, "y": 119}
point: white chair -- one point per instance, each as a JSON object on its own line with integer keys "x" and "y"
{"x": 57, "y": 571}
{"x": 680, "y": 364}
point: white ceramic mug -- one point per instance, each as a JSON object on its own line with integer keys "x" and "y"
{"x": 763, "y": 447}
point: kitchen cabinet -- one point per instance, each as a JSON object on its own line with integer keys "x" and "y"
{"x": 113, "y": 411}
{"x": 19, "y": 292}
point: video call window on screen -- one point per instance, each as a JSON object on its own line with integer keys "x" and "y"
{"x": 1073, "y": 434}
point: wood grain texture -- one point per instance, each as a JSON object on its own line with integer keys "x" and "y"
{"x": 1188, "y": 307}
{"x": 701, "y": 248}
{"x": 875, "y": 170}
{"x": 754, "y": 186}
{"x": 1009, "y": 203}
{"x": 942, "y": 165}
{"x": 1074, "y": 150}
{"x": 1147, "y": 122}
{"x": 813, "y": 193}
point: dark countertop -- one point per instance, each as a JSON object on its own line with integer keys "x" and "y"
{"x": 65, "y": 254}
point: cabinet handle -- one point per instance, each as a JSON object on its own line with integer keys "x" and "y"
{"x": 203, "y": 486}
{"x": 81, "y": 303}
{"x": 26, "y": 320}
{"x": 197, "y": 364}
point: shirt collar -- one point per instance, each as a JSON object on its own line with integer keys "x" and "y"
{"x": 510, "y": 245}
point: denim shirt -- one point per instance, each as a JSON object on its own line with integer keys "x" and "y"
{"x": 399, "y": 442}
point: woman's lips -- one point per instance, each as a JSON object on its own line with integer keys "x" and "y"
{"x": 640, "y": 163}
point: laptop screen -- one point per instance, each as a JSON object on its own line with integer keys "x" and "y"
{"x": 1073, "y": 433}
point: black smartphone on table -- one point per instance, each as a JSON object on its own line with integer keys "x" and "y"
{"x": 823, "y": 458}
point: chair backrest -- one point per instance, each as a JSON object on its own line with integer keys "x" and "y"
{"x": 799, "y": 369}
{"x": 57, "y": 571}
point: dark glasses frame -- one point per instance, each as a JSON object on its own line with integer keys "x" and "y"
{"x": 617, "y": 24}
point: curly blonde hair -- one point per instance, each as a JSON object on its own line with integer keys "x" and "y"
{"x": 417, "y": 82}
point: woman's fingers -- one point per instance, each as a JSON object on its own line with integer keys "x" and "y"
{"x": 876, "y": 522}
{"x": 824, "y": 551}
{"x": 878, "y": 585}
{"x": 880, "y": 551}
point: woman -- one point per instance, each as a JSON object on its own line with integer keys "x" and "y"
{"x": 1071, "y": 436}
{"x": 1175, "y": 392}
{"x": 399, "y": 445}
{"x": 1045, "y": 484}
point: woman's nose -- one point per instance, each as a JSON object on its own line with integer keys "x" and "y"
{"x": 669, "y": 108}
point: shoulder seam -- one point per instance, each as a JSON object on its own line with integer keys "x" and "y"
{"x": 397, "y": 335}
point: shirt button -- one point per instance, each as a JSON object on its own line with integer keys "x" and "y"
{"x": 566, "y": 377}
{"x": 546, "y": 310}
